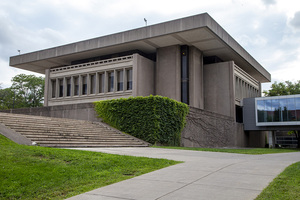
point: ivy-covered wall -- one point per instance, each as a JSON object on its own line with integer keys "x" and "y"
{"x": 154, "y": 119}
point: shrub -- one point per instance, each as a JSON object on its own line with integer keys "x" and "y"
{"x": 154, "y": 119}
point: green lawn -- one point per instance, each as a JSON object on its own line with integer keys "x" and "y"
{"x": 286, "y": 186}
{"x": 31, "y": 172}
{"x": 255, "y": 151}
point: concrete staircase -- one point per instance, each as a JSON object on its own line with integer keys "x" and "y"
{"x": 64, "y": 133}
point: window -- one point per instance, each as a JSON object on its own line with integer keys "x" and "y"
{"x": 101, "y": 82}
{"x": 278, "y": 110}
{"x": 129, "y": 79}
{"x": 120, "y": 80}
{"x": 76, "y": 86}
{"x": 61, "y": 87}
{"x": 185, "y": 74}
{"x": 92, "y": 84}
{"x": 84, "y": 85}
{"x": 53, "y": 83}
{"x": 110, "y": 81}
{"x": 68, "y": 87}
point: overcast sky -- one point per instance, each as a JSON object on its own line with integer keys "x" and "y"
{"x": 268, "y": 29}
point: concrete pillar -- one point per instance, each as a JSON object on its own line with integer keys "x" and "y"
{"x": 196, "y": 78}
{"x": 271, "y": 139}
{"x": 168, "y": 72}
{"x": 47, "y": 90}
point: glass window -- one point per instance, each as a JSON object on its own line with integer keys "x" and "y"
{"x": 276, "y": 110}
{"x": 53, "y": 83}
{"x": 84, "y": 85}
{"x": 76, "y": 86}
{"x": 61, "y": 87}
{"x": 110, "y": 81}
{"x": 129, "y": 79}
{"x": 101, "y": 83}
{"x": 120, "y": 80}
{"x": 261, "y": 110}
{"x": 93, "y": 83}
{"x": 291, "y": 107}
{"x": 283, "y": 109}
{"x": 297, "y": 101}
{"x": 268, "y": 108}
{"x": 68, "y": 87}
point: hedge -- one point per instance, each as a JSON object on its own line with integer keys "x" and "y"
{"x": 154, "y": 119}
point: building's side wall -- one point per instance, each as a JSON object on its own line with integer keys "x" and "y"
{"x": 168, "y": 80}
{"x": 143, "y": 76}
{"x": 219, "y": 88}
{"x": 208, "y": 129}
{"x": 196, "y": 78}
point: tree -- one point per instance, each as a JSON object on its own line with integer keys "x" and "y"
{"x": 26, "y": 91}
{"x": 285, "y": 88}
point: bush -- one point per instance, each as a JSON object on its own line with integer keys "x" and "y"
{"x": 154, "y": 119}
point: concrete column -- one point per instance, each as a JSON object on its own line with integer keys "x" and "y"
{"x": 168, "y": 72}
{"x": 115, "y": 81}
{"x": 80, "y": 85}
{"x": 196, "y": 78}
{"x": 47, "y": 91}
{"x": 97, "y": 83}
{"x": 57, "y": 88}
{"x": 64, "y": 87}
{"x": 72, "y": 86}
{"x": 271, "y": 139}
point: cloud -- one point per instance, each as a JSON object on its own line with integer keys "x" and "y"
{"x": 269, "y": 2}
{"x": 295, "y": 22}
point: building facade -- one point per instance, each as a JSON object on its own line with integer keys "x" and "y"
{"x": 192, "y": 60}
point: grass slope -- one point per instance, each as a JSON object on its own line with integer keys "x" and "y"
{"x": 31, "y": 172}
{"x": 286, "y": 186}
{"x": 255, "y": 151}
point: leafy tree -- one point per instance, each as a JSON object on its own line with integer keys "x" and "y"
{"x": 285, "y": 88}
{"x": 26, "y": 91}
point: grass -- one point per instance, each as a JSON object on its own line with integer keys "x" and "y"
{"x": 254, "y": 151}
{"x": 31, "y": 172}
{"x": 286, "y": 186}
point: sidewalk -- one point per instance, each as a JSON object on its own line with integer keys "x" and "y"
{"x": 203, "y": 175}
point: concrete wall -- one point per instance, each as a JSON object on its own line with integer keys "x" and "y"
{"x": 168, "y": 79}
{"x": 143, "y": 76}
{"x": 196, "y": 78}
{"x": 84, "y": 111}
{"x": 219, "y": 88}
{"x": 208, "y": 129}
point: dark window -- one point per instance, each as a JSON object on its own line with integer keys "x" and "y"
{"x": 84, "y": 85}
{"x": 61, "y": 87}
{"x": 110, "y": 81}
{"x": 129, "y": 79}
{"x": 53, "y": 82}
{"x": 239, "y": 114}
{"x": 76, "y": 86}
{"x": 120, "y": 80}
{"x": 68, "y": 87}
{"x": 101, "y": 82}
{"x": 185, "y": 74}
{"x": 93, "y": 83}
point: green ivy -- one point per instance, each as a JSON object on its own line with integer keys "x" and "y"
{"x": 154, "y": 119}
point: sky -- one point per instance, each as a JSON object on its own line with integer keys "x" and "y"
{"x": 268, "y": 29}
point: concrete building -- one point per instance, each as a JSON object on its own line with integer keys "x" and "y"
{"x": 193, "y": 60}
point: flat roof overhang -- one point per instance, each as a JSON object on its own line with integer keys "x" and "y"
{"x": 201, "y": 31}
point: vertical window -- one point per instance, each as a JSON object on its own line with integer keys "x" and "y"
{"x": 110, "y": 81}
{"x": 101, "y": 83}
{"x": 76, "y": 86}
{"x": 185, "y": 74}
{"x": 129, "y": 79}
{"x": 68, "y": 87}
{"x": 93, "y": 84}
{"x": 291, "y": 109}
{"x": 84, "y": 85}
{"x": 61, "y": 87}
{"x": 120, "y": 80}
{"x": 297, "y": 100}
{"x": 53, "y": 83}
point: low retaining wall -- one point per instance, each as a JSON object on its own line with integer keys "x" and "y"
{"x": 208, "y": 129}
{"x": 84, "y": 111}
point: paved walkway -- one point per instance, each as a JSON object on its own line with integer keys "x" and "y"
{"x": 203, "y": 175}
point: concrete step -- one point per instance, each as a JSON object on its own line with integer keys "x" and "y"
{"x": 54, "y": 132}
